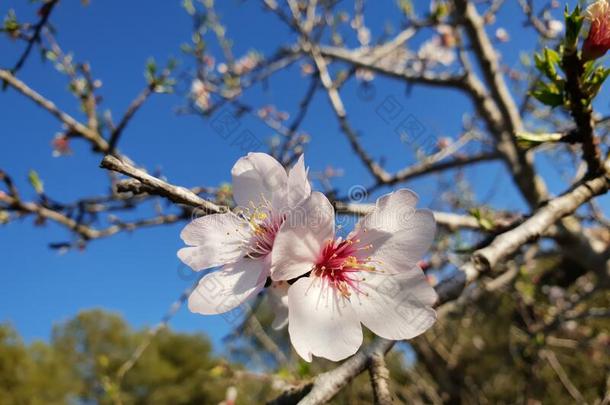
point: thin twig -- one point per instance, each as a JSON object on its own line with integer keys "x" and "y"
{"x": 45, "y": 12}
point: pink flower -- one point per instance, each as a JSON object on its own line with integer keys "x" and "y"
{"x": 598, "y": 40}
{"x": 370, "y": 277}
{"x": 241, "y": 241}
{"x": 61, "y": 145}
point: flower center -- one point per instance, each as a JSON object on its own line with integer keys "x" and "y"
{"x": 264, "y": 224}
{"x": 340, "y": 265}
{"x": 264, "y": 236}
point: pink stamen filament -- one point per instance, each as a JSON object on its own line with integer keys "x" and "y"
{"x": 340, "y": 264}
{"x": 264, "y": 233}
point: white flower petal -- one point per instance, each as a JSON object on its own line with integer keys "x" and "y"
{"x": 321, "y": 322}
{"x": 404, "y": 248}
{"x": 392, "y": 211}
{"x": 302, "y": 237}
{"x": 216, "y": 239}
{"x": 278, "y": 301}
{"x": 298, "y": 184}
{"x": 227, "y": 288}
{"x": 396, "y": 306}
{"x": 257, "y": 176}
{"x": 399, "y": 234}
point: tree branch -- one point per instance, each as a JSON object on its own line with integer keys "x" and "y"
{"x": 509, "y": 242}
{"x": 92, "y": 136}
{"x": 380, "y": 376}
{"x": 176, "y": 194}
{"x": 581, "y": 111}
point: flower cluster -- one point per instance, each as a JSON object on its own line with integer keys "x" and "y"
{"x": 200, "y": 94}
{"x": 323, "y": 286}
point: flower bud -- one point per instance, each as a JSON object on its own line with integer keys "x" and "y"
{"x": 598, "y": 40}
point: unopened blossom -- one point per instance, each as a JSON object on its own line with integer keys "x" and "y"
{"x": 241, "y": 241}
{"x": 364, "y": 36}
{"x": 307, "y": 69}
{"x": 365, "y": 75}
{"x": 598, "y": 40}
{"x": 61, "y": 145}
{"x": 554, "y": 27}
{"x": 443, "y": 143}
{"x": 282, "y": 115}
{"x": 209, "y": 61}
{"x": 265, "y": 111}
{"x": 502, "y": 35}
{"x": 369, "y": 277}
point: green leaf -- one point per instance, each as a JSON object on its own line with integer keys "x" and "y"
{"x": 4, "y": 217}
{"x": 303, "y": 369}
{"x": 11, "y": 25}
{"x": 594, "y": 83}
{"x": 528, "y": 139}
{"x": 186, "y": 48}
{"x": 548, "y": 94}
{"x": 546, "y": 63}
{"x": 552, "y": 56}
{"x": 151, "y": 70}
{"x": 484, "y": 218}
{"x": 573, "y": 24}
{"x": 188, "y": 6}
{"x": 50, "y": 55}
{"x": 172, "y": 63}
{"x": 35, "y": 181}
{"x": 406, "y": 6}
{"x": 524, "y": 58}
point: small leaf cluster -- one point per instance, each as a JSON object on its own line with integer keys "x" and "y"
{"x": 553, "y": 65}
{"x": 160, "y": 81}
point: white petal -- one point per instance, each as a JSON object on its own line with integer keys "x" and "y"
{"x": 302, "y": 237}
{"x": 321, "y": 322}
{"x": 217, "y": 239}
{"x": 227, "y": 288}
{"x": 396, "y": 306}
{"x": 404, "y": 248}
{"x": 298, "y": 184}
{"x": 257, "y": 176}
{"x": 278, "y": 301}
{"x": 392, "y": 211}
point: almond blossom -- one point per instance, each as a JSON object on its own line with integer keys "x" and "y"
{"x": 370, "y": 277}
{"x": 598, "y": 40}
{"x": 200, "y": 94}
{"x": 241, "y": 241}
{"x": 440, "y": 48}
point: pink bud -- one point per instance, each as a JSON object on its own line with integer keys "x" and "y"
{"x": 598, "y": 40}
{"x": 423, "y": 264}
{"x": 61, "y": 145}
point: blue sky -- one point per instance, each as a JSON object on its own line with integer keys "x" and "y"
{"x": 138, "y": 275}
